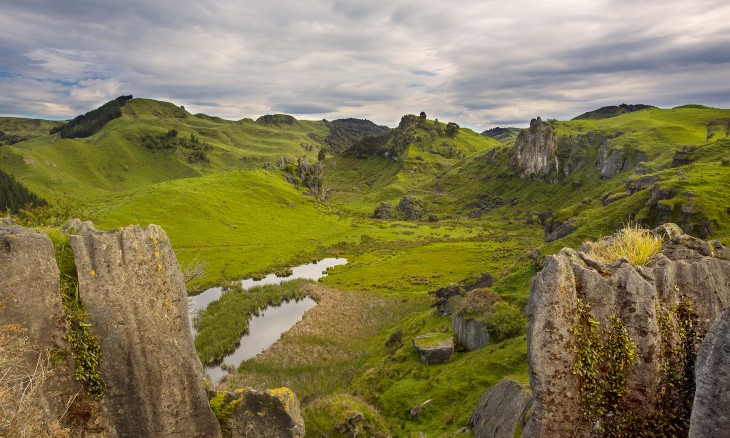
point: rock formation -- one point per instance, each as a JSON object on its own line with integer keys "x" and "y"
{"x": 652, "y": 311}
{"x": 30, "y": 300}
{"x": 501, "y": 410}
{"x": 273, "y": 413}
{"x": 614, "y": 160}
{"x": 434, "y": 348}
{"x": 711, "y": 407}
{"x": 131, "y": 284}
{"x": 472, "y": 333}
{"x": 535, "y": 152}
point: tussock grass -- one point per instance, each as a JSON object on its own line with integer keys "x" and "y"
{"x": 635, "y": 244}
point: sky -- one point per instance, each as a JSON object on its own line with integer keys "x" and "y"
{"x": 477, "y": 63}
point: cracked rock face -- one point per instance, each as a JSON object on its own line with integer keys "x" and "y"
{"x": 686, "y": 269}
{"x": 131, "y": 284}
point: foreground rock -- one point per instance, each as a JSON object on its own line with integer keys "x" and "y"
{"x": 131, "y": 284}
{"x": 273, "y": 413}
{"x": 30, "y": 301}
{"x": 711, "y": 408}
{"x": 434, "y": 348}
{"x": 659, "y": 311}
{"x": 501, "y": 410}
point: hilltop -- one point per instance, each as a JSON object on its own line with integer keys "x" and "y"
{"x": 420, "y": 211}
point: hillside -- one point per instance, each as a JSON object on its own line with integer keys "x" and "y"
{"x": 415, "y": 210}
{"x": 611, "y": 111}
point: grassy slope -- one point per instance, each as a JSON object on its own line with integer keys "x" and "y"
{"x": 114, "y": 160}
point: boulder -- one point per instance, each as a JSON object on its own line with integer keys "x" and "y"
{"x": 643, "y": 299}
{"x": 434, "y": 348}
{"x": 412, "y": 207}
{"x": 634, "y": 185}
{"x": 134, "y": 292}
{"x": 557, "y": 229}
{"x": 613, "y": 160}
{"x": 383, "y": 211}
{"x": 445, "y": 297}
{"x": 501, "y": 410}
{"x": 471, "y": 333}
{"x": 482, "y": 281}
{"x": 711, "y": 407}
{"x": 273, "y": 413}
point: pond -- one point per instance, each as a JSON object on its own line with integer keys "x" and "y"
{"x": 311, "y": 271}
{"x": 266, "y": 328}
{"x": 263, "y": 331}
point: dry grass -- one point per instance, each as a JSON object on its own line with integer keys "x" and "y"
{"x": 22, "y": 412}
{"x": 635, "y": 244}
{"x": 322, "y": 351}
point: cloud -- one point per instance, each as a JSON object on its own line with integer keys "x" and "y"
{"x": 479, "y": 63}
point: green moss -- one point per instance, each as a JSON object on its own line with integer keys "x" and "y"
{"x": 223, "y": 405}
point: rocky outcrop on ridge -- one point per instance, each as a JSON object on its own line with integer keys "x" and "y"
{"x": 651, "y": 316}
{"x": 614, "y": 160}
{"x": 273, "y": 413}
{"x": 501, "y": 409}
{"x": 535, "y": 152}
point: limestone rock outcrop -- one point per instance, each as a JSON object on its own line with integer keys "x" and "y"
{"x": 131, "y": 284}
{"x": 711, "y": 407}
{"x": 614, "y": 160}
{"x": 535, "y": 152}
{"x": 501, "y": 410}
{"x": 434, "y": 348}
{"x": 273, "y": 413}
{"x": 689, "y": 275}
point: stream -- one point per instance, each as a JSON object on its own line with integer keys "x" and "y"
{"x": 273, "y": 321}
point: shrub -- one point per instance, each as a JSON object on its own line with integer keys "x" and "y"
{"x": 632, "y": 243}
{"x": 506, "y": 321}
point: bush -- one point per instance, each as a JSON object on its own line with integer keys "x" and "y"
{"x": 632, "y": 243}
{"x": 507, "y": 321}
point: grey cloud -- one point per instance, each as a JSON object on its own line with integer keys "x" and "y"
{"x": 478, "y": 62}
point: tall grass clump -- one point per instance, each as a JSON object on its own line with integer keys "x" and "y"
{"x": 635, "y": 244}
{"x": 22, "y": 412}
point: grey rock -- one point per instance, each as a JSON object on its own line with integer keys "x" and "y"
{"x": 383, "y": 211}
{"x": 634, "y": 185}
{"x": 688, "y": 268}
{"x": 29, "y": 296}
{"x": 535, "y": 151}
{"x": 711, "y": 407}
{"x": 471, "y": 333}
{"x": 683, "y": 157}
{"x": 434, "y": 348}
{"x": 482, "y": 281}
{"x": 412, "y": 207}
{"x": 131, "y": 284}
{"x": 558, "y": 230}
{"x": 273, "y": 413}
{"x": 613, "y": 160}
{"x": 445, "y": 295}
{"x": 613, "y": 197}
{"x": 501, "y": 409}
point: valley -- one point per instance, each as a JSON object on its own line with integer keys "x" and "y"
{"x": 413, "y": 209}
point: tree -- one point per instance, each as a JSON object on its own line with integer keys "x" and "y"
{"x": 422, "y": 115}
{"x": 452, "y": 129}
